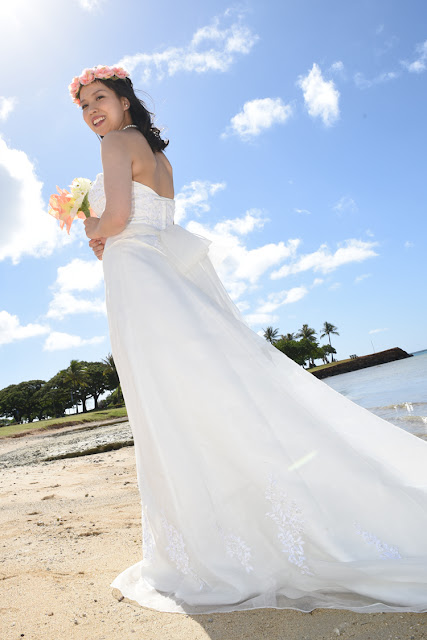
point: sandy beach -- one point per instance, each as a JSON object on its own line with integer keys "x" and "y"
{"x": 70, "y": 525}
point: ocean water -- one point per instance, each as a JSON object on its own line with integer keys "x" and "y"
{"x": 395, "y": 391}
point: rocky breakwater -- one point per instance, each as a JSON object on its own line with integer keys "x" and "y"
{"x": 372, "y": 359}
{"x": 42, "y": 447}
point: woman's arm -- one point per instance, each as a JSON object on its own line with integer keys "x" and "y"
{"x": 117, "y": 166}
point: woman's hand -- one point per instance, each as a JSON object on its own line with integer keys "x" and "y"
{"x": 91, "y": 226}
{"x": 97, "y": 245}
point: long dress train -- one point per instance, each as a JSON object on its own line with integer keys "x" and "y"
{"x": 260, "y": 485}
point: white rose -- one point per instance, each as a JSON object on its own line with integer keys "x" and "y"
{"x": 80, "y": 187}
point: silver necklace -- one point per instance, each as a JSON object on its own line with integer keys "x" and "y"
{"x": 129, "y": 125}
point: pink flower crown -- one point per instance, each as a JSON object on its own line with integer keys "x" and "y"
{"x": 89, "y": 75}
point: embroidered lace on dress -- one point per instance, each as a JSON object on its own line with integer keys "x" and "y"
{"x": 147, "y": 206}
{"x": 237, "y": 548}
{"x": 386, "y": 551}
{"x": 177, "y": 552}
{"x": 288, "y": 517}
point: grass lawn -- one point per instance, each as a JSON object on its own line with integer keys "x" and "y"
{"x": 68, "y": 420}
{"x": 330, "y": 364}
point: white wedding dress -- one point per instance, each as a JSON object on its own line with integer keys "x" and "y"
{"x": 260, "y": 485}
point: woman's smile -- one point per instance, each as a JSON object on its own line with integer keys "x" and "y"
{"x": 98, "y": 120}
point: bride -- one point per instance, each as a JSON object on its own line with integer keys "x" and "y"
{"x": 260, "y": 485}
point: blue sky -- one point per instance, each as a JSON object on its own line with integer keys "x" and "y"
{"x": 297, "y": 140}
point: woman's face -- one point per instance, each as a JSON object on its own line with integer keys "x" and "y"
{"x": 103, "y": 110}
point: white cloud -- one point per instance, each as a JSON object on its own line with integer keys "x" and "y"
{"x": 316, "y": 282}
{"x": 80, "y": 275}
{"x": 257, "y": 116}
{"x": 6, "y": 106}
{"x": 277, "y": 299}
{"x": 234, "y": 262}
{"x": 408, "y": 244}
{"x": 420, "y": 63}
{"x": 11, "y": 329}
{"x": 337, "y": 68}
{"x": 254, "y": 319}
{"x": 64, "y": 304}
{"x": 25, "y": 226}
{"x": 238, "y": 268}
{"x": 364, "y": 83}
{"x": 363, "y": 276}
{"x": 302, "y": 211}
{"x": 335, "y": 285}
{"x": 214, "y": 47}
{"x": 193, "y": 198}
{"x": 77, "y": 275}
{"x": 345, "y": 204}
{"x": 57, "y": 340}
{"x": 320, "y": 96}
{"x": 378, "y": 330}
{"x": 324, "y": 261}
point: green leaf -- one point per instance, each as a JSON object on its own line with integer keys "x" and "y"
{"x": 85, "y": 206}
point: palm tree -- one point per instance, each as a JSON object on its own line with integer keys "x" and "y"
{"x": 306, "y": 332}
{"x": 327, "y": 329}
{"x": 112, "y": 375}
{"x": 75, "y": 374}
{"x": 270, "y": 334}
{"x": 288, "y": 336}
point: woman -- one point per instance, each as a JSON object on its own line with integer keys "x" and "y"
{"x": 260, "y": 485}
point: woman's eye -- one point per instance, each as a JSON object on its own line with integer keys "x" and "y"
{"x": 99, "y": 97}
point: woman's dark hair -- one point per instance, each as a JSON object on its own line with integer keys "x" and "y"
{"x": 138, "y": 111}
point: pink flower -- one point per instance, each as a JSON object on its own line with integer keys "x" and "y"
{"x": 103, "y": 72}
{"x": 75, "y": 85}
{"x": 60, "y": 208}
{"x": 59, "y": 203}
{"x": 120, "y": 72}
{"x": 87, "y": 76}
{"x": 74, "y": 88}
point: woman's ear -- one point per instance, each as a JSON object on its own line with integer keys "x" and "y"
{"x": 125, "y": 103}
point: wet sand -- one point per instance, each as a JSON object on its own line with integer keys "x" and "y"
{"x": 70, "y": 526}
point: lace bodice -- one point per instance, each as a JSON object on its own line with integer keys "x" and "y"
{"x": 147, "y": 206}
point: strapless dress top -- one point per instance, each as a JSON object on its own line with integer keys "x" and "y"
{"x": 148, "y": 207}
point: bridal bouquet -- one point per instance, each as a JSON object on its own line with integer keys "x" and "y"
{"x": 71, "y": 204}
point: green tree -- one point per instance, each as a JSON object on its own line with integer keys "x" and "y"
{"x": 293, "y": 349}
{"x": 96, "y": 380}
{"x": 270, "y": 334}
{"x": 300, "y": 350}
{"x": 112, "y": 377}
{"x": 288, "y": 336}
{"x": 328, "y": 350}
{"x": 306, "y": 332}
{"x": 327, "y": 329}
{"x": 75, "y": 374}
{"x": 56, "y": 395}
{"x": 19, "y": 400}
{"x": 9, "y": 403}
{"x": 312, "y": 350}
